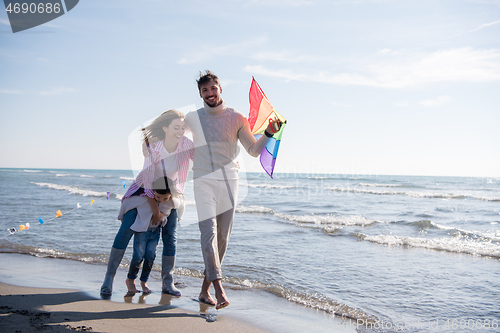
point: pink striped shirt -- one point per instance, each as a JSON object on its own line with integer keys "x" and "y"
{"x": 184, "y": 151}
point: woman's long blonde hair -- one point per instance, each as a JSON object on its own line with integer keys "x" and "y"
{"x": 155, "y": 132}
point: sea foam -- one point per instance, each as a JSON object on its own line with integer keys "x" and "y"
{"x": 72, "y": 190}
{"x": 456, "y": 244}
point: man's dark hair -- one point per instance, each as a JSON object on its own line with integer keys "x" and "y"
{"x": 161, "y": 186}
{"x": 207, "y": 77}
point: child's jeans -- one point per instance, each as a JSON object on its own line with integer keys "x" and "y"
{"x": 145, "y": 244}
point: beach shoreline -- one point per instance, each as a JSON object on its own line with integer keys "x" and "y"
{"x": 27, "y": 309}
{"x": 61, "y": 295}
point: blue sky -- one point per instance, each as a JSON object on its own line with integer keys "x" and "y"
{"x": 368, "y": 87}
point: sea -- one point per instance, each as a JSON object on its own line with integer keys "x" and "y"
{"x": 392, "y": 253}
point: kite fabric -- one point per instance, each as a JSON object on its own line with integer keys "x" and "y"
{"x": 261, "y": 113}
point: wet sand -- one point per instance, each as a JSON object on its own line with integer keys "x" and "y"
{"x": 60, "y": 295}
{"x": 25, "y": 309}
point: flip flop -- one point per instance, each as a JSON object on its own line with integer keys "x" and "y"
{"x": 147, "y": 291}
{"x": 206, "y": 301}
{"x": 222, "y": 305}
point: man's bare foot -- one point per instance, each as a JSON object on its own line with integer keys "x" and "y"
{"x": 205, "y": 293}
{"x": 206, "y": 298}
{"x": 131, "y": 286}
{"x": 145, "y": 289}
{"x": 222, "y": 300}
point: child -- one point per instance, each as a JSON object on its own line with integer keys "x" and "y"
{"x": 167, "y": 153}
{"x": 146, "y": 236}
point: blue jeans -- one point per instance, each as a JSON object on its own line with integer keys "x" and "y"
{"x": 169, "y": 234}
{"x": 145, "y": 244}
{"x": 124, "y": 234}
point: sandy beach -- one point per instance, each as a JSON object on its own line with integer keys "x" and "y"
{"x": 25, "y": 309}
{"x": 60, "y": 295}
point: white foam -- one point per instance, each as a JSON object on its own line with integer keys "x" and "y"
{"x": 73, "y": 190}
{"x": 267, "y": 186}
{"x": 62, "y": 174}
{"x": 414, "y": 194}
{"x": 253, "y": 209}
{"x": 86, "y": 176}
{"x": 455, "y": 244}
{"x": 379, "y": 185}
{"x": 32, "y": 170}
{"x": 494, "y": 236}
{"x": 127, "y": 178}
{"x": 310, "y": 220}
{"x": 344, "y": 220}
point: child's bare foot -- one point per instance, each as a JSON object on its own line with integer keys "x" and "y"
{"x": 131, "y": 286}
{"x": 145, "y": 289}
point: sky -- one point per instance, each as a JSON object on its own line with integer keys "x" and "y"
{"x": 380, "y": 87}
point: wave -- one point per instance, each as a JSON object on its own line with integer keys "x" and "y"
{"x": 32, "y": 170}
{"x": 314, "y": 301}
{"x": 414, "y": 194}
{"x": 475, "y": 234}
{"x": 86, "y": 176}
{"x": 328, "y": 222}
{"x": 268, "y": 186}
{"x": 458, "y": 232}
{"x": 455, "y": 244}
{"x": 62, "y": 174}
{"x": 72, "y": 190}
{"x": 337, "y": 178}
{"x": 380, "y": 185}
{"x": 423, "y": 224}
{"x": 41, "y": 252}
{"x": 127, "y": 178}
{"x": 321, "y": 178}
{"x": 343, "y": 220}
{"x": 253, "y": 209}
{"x": 472, "y": 234}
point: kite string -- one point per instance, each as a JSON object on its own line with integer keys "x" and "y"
{"x": 27, "y": 226}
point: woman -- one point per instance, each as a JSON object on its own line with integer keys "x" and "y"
{"x": 167, "y": 153}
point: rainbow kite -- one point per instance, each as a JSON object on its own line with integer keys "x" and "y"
{"x": 261, "y": 113}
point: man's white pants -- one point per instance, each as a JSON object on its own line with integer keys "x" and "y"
{"x": 215, "y": 203}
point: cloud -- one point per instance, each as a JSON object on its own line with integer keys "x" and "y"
{"x": 207, "y": 52}
{"x": 485, "y": 25}
{"x": 56, "y": 91}
{"x": 435, "y": 102}
{"x": 4, "y": 21}
{"x": 401, "y": 69}
{"x": 284, "y": 56}
{"x": 10, "y": 92}
{"x": 401, "y": 104}
{"x": 283, "y": 3}
{"x": 343, "y": 105}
